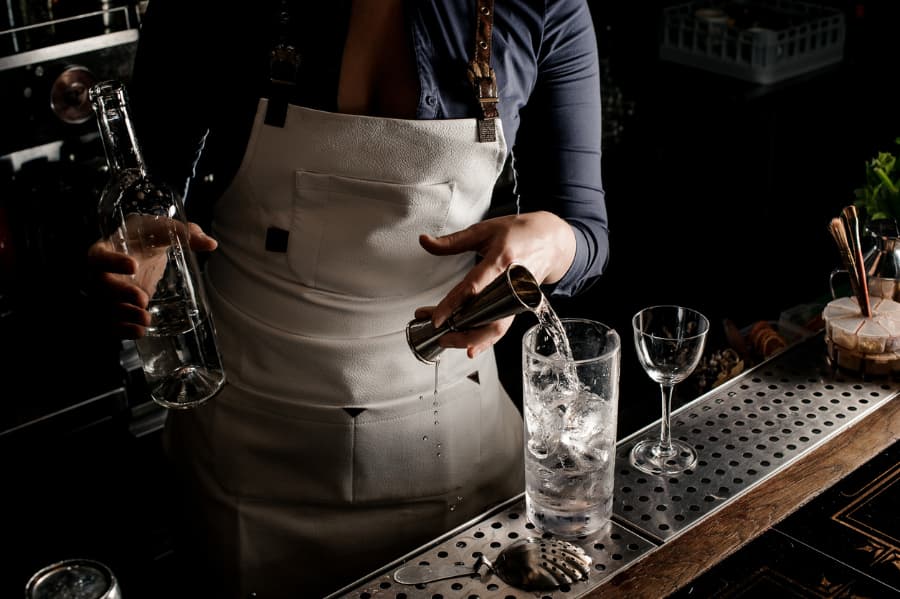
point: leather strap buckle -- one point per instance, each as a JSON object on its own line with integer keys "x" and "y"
{"x": 284, "y": 63}
{"x": 481, "y": 75}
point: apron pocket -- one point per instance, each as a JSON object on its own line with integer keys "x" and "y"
{"x": 361, "y": 237}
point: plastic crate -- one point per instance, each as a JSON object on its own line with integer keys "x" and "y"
{"x": 764, "y": 41}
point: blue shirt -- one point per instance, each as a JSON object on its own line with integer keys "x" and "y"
{"x": 201, "y": 68}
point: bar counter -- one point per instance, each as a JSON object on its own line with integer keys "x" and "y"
{"x": 770, "y": 440}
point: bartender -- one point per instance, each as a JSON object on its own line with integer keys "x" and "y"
{"x": 353, "y": 148}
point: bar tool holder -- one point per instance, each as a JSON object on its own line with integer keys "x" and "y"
{"x": 513, "y": 292}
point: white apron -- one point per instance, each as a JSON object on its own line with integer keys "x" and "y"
{"x": 328, "y": 453}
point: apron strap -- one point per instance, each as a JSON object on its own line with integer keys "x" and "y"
{"x": 284, "y": 62}
{"x": 481, "y": 75}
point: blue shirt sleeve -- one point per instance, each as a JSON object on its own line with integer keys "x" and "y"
{"x": 558, "y": 148}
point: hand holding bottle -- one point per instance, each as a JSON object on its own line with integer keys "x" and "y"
{"x": 122, "y": 284}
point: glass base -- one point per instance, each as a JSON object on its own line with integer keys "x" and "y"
{"x": 187, "y": 387}
{"x": 647, "y": 457}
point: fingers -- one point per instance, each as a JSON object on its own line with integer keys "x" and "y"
{"x": 423, "y": 312}
{"x": 470, "y": 239}
{"x": 475, "y": 280}
{"x": 116, "y": 288}
{"x": 477, "y": 340}
{"x": 127, "y": 321}
{"x": 118, "y": 302}
{"x": 199, "y": 240}
{"x": 101, "y": 258}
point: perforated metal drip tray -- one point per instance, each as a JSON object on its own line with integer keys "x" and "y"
{"x": 610, "y": 550}
{"x": 745, "y": 431}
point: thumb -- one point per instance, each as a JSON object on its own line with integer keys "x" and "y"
{"x": 199, "y": 240}
{"x": 465, "y": 240}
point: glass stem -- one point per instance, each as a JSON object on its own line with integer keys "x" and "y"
{"x": 665, "y": 431}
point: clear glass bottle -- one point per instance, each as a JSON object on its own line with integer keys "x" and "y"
{"x": 144, "y": 218}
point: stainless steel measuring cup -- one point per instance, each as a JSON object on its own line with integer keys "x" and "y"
{"x": 514, "y": 291}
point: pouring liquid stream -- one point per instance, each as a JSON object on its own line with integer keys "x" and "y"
{"x": 550, "y": 322}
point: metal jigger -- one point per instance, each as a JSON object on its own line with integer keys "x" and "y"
{"x": 512, "y": 292}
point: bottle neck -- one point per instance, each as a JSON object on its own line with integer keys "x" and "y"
{"x": 110, "y": 104}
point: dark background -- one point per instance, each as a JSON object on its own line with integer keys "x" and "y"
{"x": 719, "y": 190}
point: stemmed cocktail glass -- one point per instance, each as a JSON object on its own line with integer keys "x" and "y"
{"x": 669, "y": 341}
